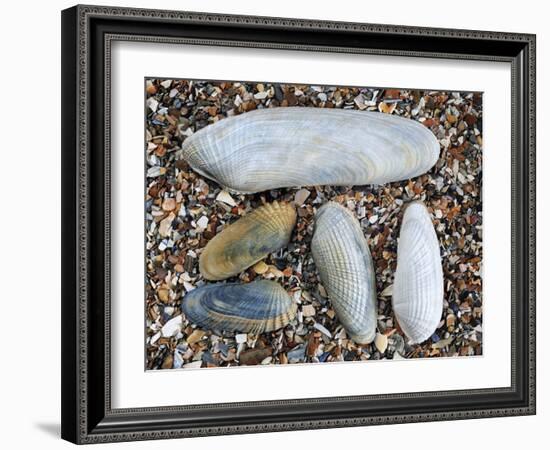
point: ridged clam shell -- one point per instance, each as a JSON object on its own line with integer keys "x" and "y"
{"x": 295, "y": 146}
{"x": 345, "y": 266}
{"x": 247, "y": 241}
{"x": 257, "y": 307}
{"x": 418, "y": 284}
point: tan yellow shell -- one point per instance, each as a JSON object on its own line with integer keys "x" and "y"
{"x": 247, "y": 241}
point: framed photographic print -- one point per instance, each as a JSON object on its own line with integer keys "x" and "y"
{"x": 266, "y": 204}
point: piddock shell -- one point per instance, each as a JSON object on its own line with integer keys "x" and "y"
{"x": 418, "y": 285}
{"x": 257, "y": 307}
{"x": 345, "y": 266}
{"x": 247, "y": 241}
{"x": 294, "y": 146}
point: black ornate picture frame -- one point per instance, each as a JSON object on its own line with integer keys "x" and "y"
{"x": 87, "y": 35}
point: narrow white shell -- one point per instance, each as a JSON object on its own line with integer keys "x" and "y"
{"x": 345, "y": 266}
{"x": 284, "y": 147}
{"x": 418, "y": 285}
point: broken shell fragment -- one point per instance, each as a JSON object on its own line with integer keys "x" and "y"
{"x": 381, "y": 342}
{"x": 291, "y": 146}
{"x": 418, "y": 286}
{"x": 257, "y": 307}
{"x": 344, "y": 263}
{"x": 247, "y": 241}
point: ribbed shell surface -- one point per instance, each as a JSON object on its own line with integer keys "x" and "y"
{"x": 345, "y": 266}
{"x": 418, "y": 285}
{"x": 299, "y": 146}
{"x": 248, "y": 240}
{"x": 257, "y": 307}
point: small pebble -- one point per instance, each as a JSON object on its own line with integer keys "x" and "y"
{"x": 297, "y": 354}
{"x": 169, "y": 204}
{"x": 260, "y": 267}
{"x": 322, "y": 329}
{"x": 202, "y": 222}
{"x": 195, "y": 336}
{"x": 226, "y": 198}
{"x": 301, "y": 196}
{"x": 381, "y": 342}
{"x": 308, "y": 310}
{"x": 172, "y": 327}
{"x": 163, "y": 295}
{"x": 241, "y": 338}
{"x": 193, "y": 365}
{"x": 387, "y": 292}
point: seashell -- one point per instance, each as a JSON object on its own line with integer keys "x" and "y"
{"x": 418, "y": 286}
{"x": 345, "y": 266}
{"x": 285, "y": 147}
{"x": 256, "y": 307}
{"x": 247, "y": 241}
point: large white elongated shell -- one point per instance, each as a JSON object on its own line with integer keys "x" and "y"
{"x": 256, "y": 307}
{"x": 345, "y": 266}
{"x": 284, "y": 147}
{"x": 248, "y": 240}
{"x": 418, "y": 284}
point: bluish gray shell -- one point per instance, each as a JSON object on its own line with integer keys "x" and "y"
{"x": 257, "y": 307}
{"x": 345, "y": 266}
{"x": 285, "y": 147}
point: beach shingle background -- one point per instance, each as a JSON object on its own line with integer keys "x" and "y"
{"x": 184, "y": 211}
